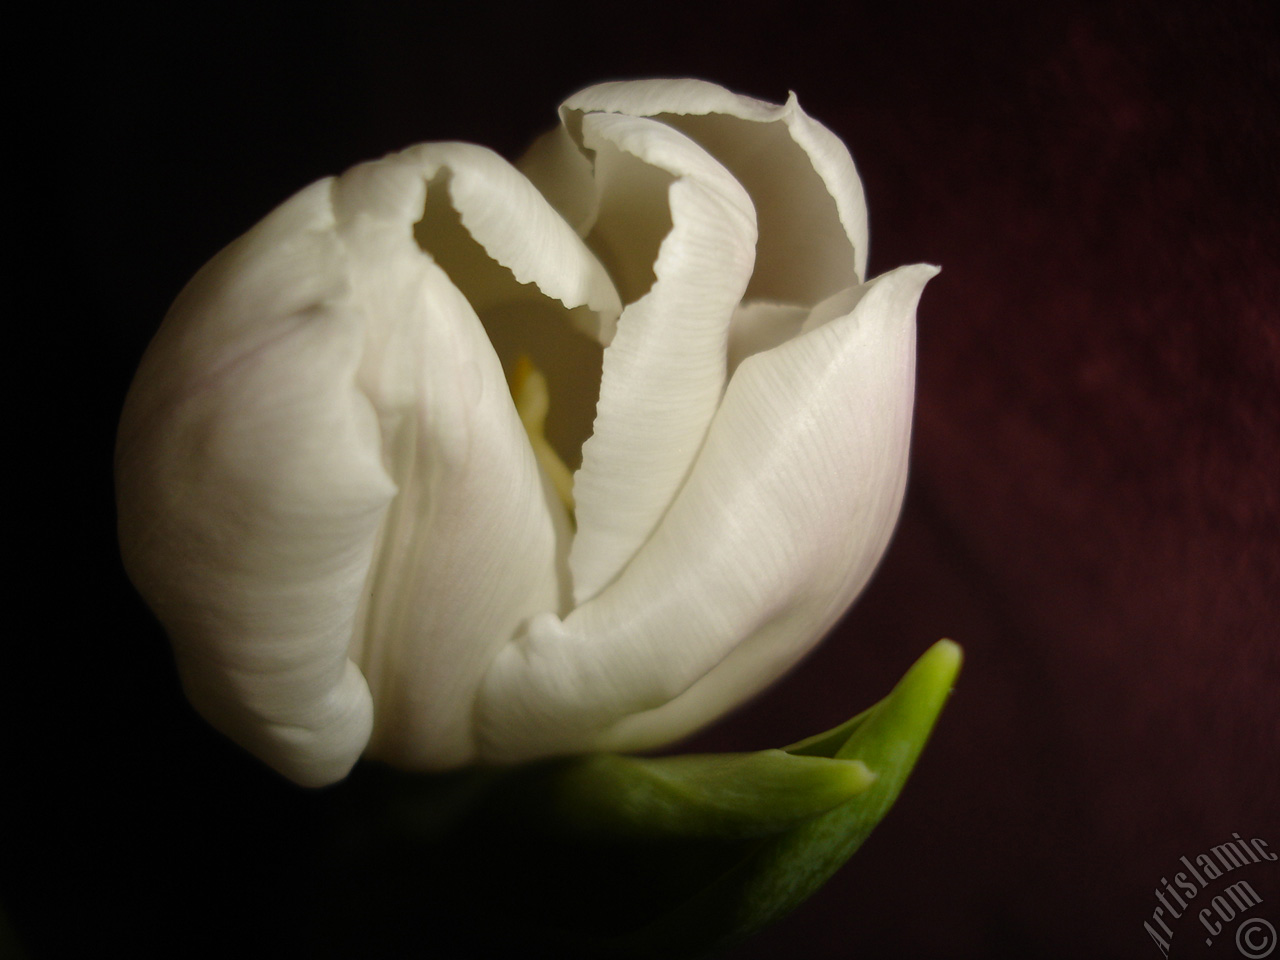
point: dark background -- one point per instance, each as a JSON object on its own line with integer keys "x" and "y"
{"x": 1093, "y": 511}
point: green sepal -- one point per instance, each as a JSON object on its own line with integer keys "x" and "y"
{"x": 736, "y": 795}
{"x": 783, "y": 871}
{"x": 605, "y": 855}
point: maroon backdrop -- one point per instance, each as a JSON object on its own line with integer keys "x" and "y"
{"x": 1093, "y": 510}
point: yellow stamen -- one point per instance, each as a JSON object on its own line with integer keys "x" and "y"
{"x": 529, "y": 391}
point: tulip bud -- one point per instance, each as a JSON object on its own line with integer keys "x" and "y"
{"x": 359, "y": 541}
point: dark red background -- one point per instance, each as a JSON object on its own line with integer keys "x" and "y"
{"x": 1093, "y": 511}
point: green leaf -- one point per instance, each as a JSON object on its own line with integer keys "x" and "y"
{"x": 714, "y": 795}
{"x": 783, "y": 871}
{"x": 607, "y": 855}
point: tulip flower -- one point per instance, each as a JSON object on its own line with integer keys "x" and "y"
{"x": 448, "y": 462}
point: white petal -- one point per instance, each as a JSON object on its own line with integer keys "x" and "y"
{"x": 807, "y": 194}
{"x": 782, "y": 522}
{"x": 664, "y": 371}
{"x": 476, "y": 540}
{"x": 556, "y": 165}
{"x": 762, "y": 325}
{"x": 506, "y": 216}
{"x": 315, "y": 370}
{"x": 251, "y": 488}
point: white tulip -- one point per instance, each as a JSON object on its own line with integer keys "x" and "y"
{"x": 359, "y": 542}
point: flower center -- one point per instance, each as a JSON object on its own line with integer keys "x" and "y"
{"x": 529, "y": 391}
{"x": 522, "y": 323}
